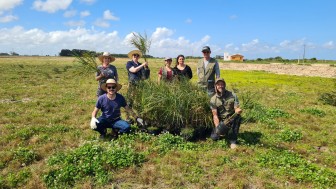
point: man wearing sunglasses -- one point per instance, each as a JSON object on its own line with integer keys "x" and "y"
{"x": 110, "y": 104}
{"x": 207, "y": 71}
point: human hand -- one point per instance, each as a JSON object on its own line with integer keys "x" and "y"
{"x": 140, "y": 121}
{"x": 238, "y": 111}
{"x": 93, "y": 123}
{"x": 146, "y": 64}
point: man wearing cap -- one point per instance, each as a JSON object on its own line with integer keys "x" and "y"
{"x": 110, "y": 104}
{"x": 166, "y": 73}
{"x": 207, "y": 71}
{"x": 136, "y": 70}
{"x": 105, "y": 71}
{"x": 226, "y": 113}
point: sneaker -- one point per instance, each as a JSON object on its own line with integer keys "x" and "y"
{"x": 233, "y": 146}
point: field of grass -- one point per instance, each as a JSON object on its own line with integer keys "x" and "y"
{"x": 287, "y": 139}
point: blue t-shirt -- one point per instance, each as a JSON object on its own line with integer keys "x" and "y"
{"x": 132, "y": 77}
{"x": 110, "y": 108}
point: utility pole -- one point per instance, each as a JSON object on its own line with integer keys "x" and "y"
{"x": 304, "y": 52}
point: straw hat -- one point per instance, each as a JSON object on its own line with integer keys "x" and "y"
{"x": 130, "y": 54}
{"x": 111, "y": 81}
{"x": 106, "y": 54}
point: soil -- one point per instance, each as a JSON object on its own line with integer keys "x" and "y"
{"x": 319, "y": 70}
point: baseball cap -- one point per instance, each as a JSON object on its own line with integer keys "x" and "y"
{"x": 206, "y": 48}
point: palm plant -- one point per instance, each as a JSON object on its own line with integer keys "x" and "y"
{"x": 141, "y": 42}
{"x": 87, "y": 63}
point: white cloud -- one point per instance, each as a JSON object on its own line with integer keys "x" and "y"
{"x": 70, "y": 13}
{"x": 79, "y": 23}
{"x": 233, "y": 17}
{"x": 108, "y": 15}
{"x": 85, "y": 14}
{"x": 292, "y": 45}
{"x": 101, "y": 23}
{"x": 51, "y": 6}
{"x": 329, "y": 45}
{"x": 8, "y": 18}
{"x": 6, "y": 5}
{"x": 188, "y": 21}
{"x": 88, "y": 1}
{"x": 161, "y": 33}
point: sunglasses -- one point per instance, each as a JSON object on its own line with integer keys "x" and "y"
{"x": 111, "y": 87}
{"x": 135, "y": 55}
{"x": 206, "y": 52}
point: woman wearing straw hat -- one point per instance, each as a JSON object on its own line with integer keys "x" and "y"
{"x": 136, "y": 70}
{"x": 110, "y": 104}
{"x": 105, "y": 71}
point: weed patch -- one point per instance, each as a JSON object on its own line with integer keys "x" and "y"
{"x": 288, "y": 163}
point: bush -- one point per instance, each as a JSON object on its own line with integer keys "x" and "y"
{"x": 173, "y": 107}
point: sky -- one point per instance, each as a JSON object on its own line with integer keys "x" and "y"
{"x": 290, "y": 29}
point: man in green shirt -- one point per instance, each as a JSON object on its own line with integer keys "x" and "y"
{"x": 207, "y": 71}
{"x": 226, "y": 113}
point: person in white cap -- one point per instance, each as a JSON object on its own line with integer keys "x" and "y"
{"x": 166, "y": 73}
{"x": 110, "y": 104}
{"x": 207, "y": 71}
{"x": 105, "y": 71}
{"x": 226, "y": 113}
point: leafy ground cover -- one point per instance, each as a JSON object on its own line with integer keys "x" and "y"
{"x": 286, "y": 140}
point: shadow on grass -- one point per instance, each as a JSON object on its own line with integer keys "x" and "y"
{"x": 251, "y": 138}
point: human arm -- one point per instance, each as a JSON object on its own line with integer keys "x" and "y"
{"x": 217, "y": 70}
{"x": 237, "y": 108}
{"x": 189, "y": 72}
{"x": 215, "y": 117}
{"x": 160, "y": 75}
{"x": 138, "y": 68}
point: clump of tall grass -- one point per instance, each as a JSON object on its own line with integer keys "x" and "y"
{"x": 177, "y": 107}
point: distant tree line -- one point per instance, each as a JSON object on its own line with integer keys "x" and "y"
{"x": 80, "y": 52}
{"x": 280, "y": 59}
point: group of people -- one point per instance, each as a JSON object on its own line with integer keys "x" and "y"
{"x": 224, "y": 104}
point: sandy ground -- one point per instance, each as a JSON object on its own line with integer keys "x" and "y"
{"x": 320, "y": 70}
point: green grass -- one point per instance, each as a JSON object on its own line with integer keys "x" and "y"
{"x": 287, "y": 138}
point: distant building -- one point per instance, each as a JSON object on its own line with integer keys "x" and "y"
{"x": 237, "y": 57}
{"x": 227, "y": 56}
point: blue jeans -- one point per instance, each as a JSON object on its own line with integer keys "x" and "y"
{"x": 119, "y": 124}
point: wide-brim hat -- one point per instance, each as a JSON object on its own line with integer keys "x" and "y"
{"x": 130, "y": 54}
{"x": 111, "y": 81}
{"x": 106, "y": 54}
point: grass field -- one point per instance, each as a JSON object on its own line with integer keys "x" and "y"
{"x": 287, "y": 141}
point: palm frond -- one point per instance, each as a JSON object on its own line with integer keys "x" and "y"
{"x": 87, "y": 63}
{"x": 141, "y": 42}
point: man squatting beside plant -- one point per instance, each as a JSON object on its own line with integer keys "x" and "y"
{"x": 110, "y": 104}
{"x": 207, "y": 71}
{"x": 226, "y": 113}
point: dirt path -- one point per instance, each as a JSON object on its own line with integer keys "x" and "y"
{"x": 320, "y": 70}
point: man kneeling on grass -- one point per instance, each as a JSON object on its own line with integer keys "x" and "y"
{"x": 226, "y": 113}
{"x": 110, "y": 104}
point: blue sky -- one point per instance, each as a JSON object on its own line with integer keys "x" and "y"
{"x": 255, "y": 29}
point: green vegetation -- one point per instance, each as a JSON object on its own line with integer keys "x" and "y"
{"x": 286, "y": 140}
